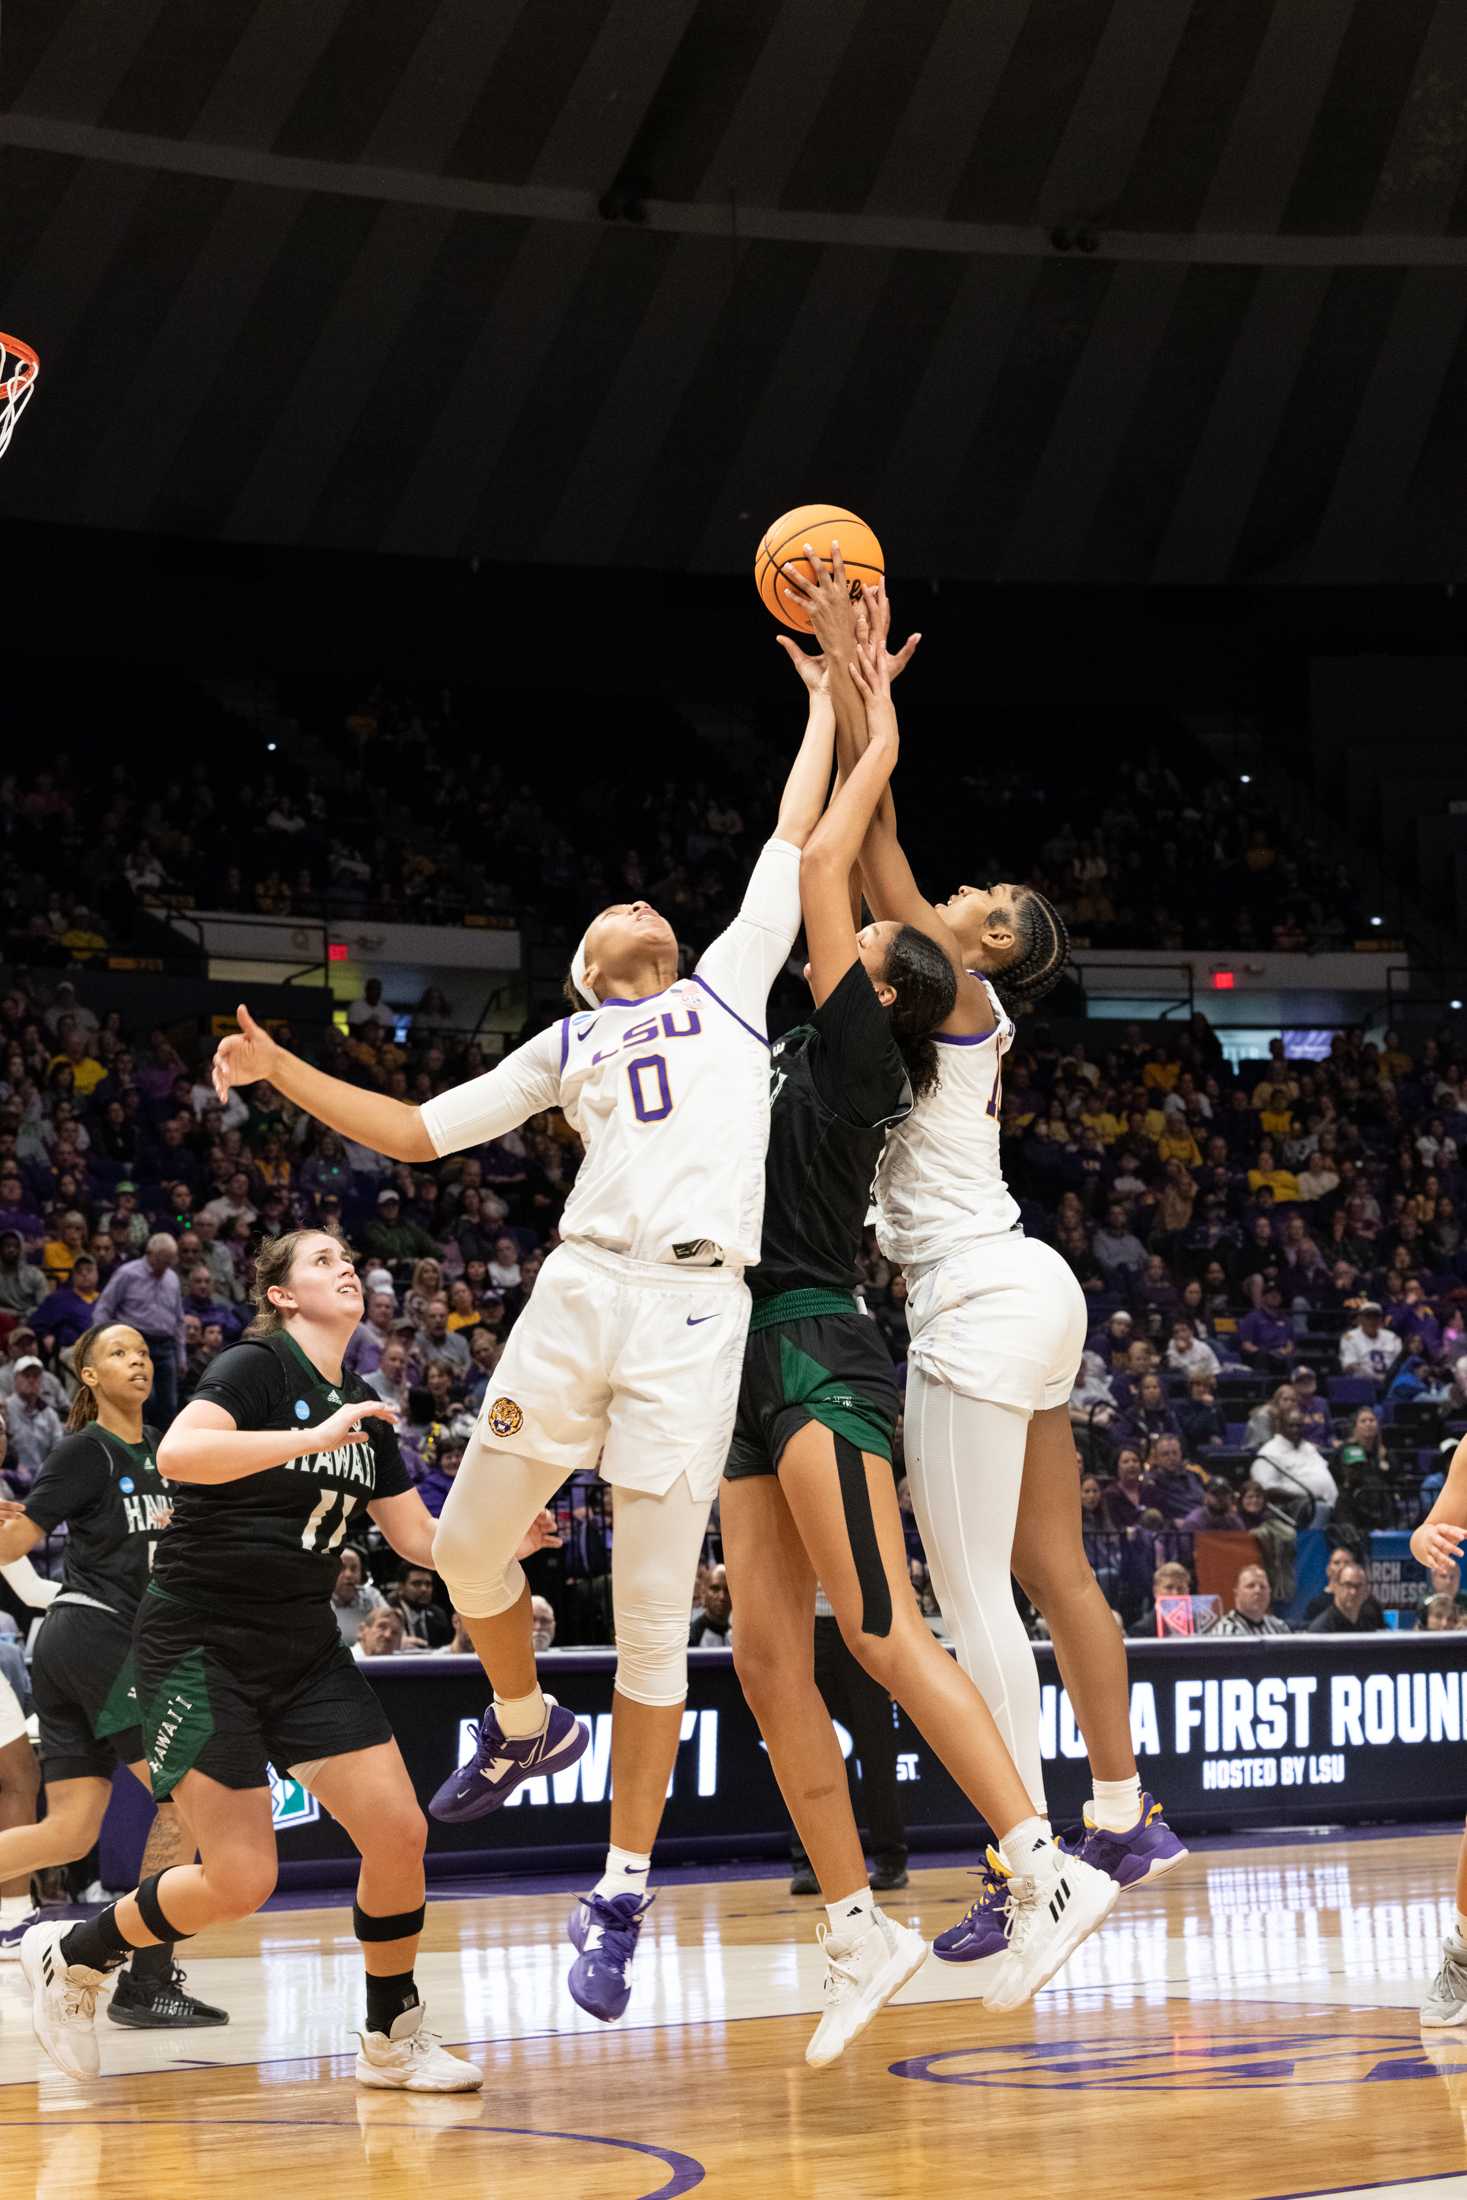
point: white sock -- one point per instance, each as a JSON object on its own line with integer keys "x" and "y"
{"x": 1461, "y": 1925}
{"x": 851, "y": 1917}
{"x": 1020, "y": 1842}
{"x": 625, "y": 1873}
{"x": 13, "y": 1907}
{"x": 1116, "y": 1804}
{"x": 521, "y": 1716}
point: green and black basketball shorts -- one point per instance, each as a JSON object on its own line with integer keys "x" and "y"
{"x": 229, "y": 1694}
{"x": 811, "y": 1356}
{"x": 86, "y": 1698}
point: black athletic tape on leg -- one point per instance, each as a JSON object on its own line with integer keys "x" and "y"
{"x": 401, "y": 1927}
{"x": 150, "y": 1909}
{"x": 855, "y": 1500}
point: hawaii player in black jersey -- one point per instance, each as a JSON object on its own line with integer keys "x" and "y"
{"x": 101, "y": 1483}
{"x": 809, "y": 1494}
{"x": 240, "y": 1667}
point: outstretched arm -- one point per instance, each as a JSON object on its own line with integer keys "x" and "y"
{"x": 525, "y": 1082}
{"x": 825, "y": 866}
{"x": 808, "y": 784}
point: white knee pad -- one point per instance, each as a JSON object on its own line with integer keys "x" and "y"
{"x": 652, "y": 1656}
{"x": 479, "y": 1588}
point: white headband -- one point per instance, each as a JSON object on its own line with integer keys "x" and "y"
{"x": 578, "y": 972}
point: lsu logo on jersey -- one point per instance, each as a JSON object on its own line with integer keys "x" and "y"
{"x": 505, "y": 1417}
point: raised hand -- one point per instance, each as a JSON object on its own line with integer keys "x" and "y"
{"x": 874, "y": 616}
{"x": 809, "y": 664}
{"x": 828, "y": 600}
{"x": 541, "y": 1535}
{"x": 1437, "y": 1543}
{"x": 245, "y": 1056}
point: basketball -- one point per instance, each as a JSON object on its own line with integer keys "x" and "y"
{"x": 820, "y": 525}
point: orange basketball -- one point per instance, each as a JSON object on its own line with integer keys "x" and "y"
{"x": 820, "y": 525}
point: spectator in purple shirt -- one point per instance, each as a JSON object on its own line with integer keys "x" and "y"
{"x": 1124, "y": 1499}
{"x": 1266, "y": 1336}
{"x": 199, "y": 1299}
{"x": 145, "y": 1294}
{"x": 435, "y": 1485}
{"x": 369, "y": 1340}
{"x": 16, "y": 1210}
{"x": 69, "y": 1311}
{"x": 1217, "y": 1512}
{"x": 1170, "y": 1484}
{"x": 1318, "y": 1427}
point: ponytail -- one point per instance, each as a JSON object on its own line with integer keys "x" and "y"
{"x": 1038, "y": 961}
{"x": 926, "y": 990}
{"x": 84, "y": 1404}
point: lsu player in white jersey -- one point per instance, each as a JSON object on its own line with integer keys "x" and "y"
{"x": 631, "y": 1349}
{"x": 997, "y": 1325}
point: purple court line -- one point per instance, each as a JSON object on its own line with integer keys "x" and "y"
{"x": 686, "y": 2173}
{"x": 1375, "y": 2184}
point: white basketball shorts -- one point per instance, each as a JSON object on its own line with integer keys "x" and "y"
{"x": 12, "y": 1718}
{"x": 1004, "y": 1320}
{"x": 636, "y": 1363}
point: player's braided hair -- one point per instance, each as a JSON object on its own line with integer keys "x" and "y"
{"x": 926, "y": 989}
{"x": 1037, "y": 963}
{"x": 84, "y": 1404}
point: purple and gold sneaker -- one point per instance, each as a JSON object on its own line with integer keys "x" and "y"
{"x": 604, "y": 1928}
{"x": 500, "y": 1763}
{"x": 984, "y": 1930}
{"x": 1148, "y": 1850}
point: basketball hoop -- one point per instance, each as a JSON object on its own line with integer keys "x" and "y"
{"x": 19, "y": 368}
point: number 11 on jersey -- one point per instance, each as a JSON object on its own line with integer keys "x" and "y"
{"x": 323, "y": 1506}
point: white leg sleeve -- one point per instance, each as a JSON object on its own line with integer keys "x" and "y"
{"x": 657, "y": 1540}
{"x": 494, "y": 1498}
{"x": 965, "y": 1465}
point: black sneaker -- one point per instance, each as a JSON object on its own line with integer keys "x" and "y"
{"x": 159, "y": 2005}
{"x": 804, "y": 1882}
{"x": 886, "y": 1878}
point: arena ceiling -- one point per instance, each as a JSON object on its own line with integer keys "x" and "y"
{"x": 369, "y": 273}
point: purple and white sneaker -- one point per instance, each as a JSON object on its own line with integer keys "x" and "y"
{"x": 983, "y": 1931}
{"x": 12, "y": 1935}
{"x": 501, "y": 1762}
{"x": 604, "y": 1928}
{"x": 1148, "y": 1850}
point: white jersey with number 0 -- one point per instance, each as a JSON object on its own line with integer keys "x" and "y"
{"x": 939, "y": 1183}
{"x": 670, "y": 1094}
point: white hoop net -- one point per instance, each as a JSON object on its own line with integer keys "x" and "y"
{"x": 19, "y": 368}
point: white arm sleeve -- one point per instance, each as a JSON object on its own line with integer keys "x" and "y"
{"x": 32, "y": 1588}
{"x": 519, "y": 1086}
{"x": 744, "y": 961}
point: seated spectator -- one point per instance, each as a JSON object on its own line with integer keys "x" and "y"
{"x": 1149, "y": 1414}
{"x": 389, "y": 1378}
{"x": 1172, "y": 1485}
{"x": 1188, "y": 1354}
{"x": 393, "y": 1239}
{"x": 22, "y": 1284}
{"x": 423, "y": 1619}
{"x": 1445, "y": 1581}
{"x": 23, "y": 1344}
{"x": 1318, "y": 1426}
{"x": 504, "y": 1268}
{"x": 1252, "y": 1612}
{"x": 1117, "y": 1247}
{"x": 1345, "y": 1613}
{"x": 1217, "y": 1511}
{"x": 354, "y": 1598}
{"x": 1369, "y": 1349}
{"x": 1439, "y": 1615}
{"x": 1267, "y": 1173}
{"x": 1266, "y": 1336}
{"x": 484, "y": 1355}
{"x": 542, "y": 1625}
{"x": 713, "y": 1627}
{"x": 436, "y": 1341}
{"x": 1266, "y": 1420}
{"x": 66, "y": 1312}
{"x": 1339, "y": 1559}
{"x": 1171, "y": 1579}
{"x": 442, "y": 1459}
{"x": 381, "y": 1634}
{"x": 1289, "y": 1465}
{"x": 1276, "y": 1535}
{"x": 1125, "y": 1500}
{"x": 201, "y": 1300}
{"x": 33, "y": 1427}
{"x": 369, "y": 1338}
{"x": 1362, "y": 1455}
{"x": 463, "y": 1313}
{"x": 1199, "y": 1417}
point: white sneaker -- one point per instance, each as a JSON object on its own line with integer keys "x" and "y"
{"x": 860, "y": 1977}
{"x": 1446, "y": 2003}
{"x": 411, "y": 2059}
{"x": 63, "y": 2001}
{"x": 1056, "y": 1902}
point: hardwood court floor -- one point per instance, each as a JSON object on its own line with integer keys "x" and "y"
{"x": 1244, "y": 2030}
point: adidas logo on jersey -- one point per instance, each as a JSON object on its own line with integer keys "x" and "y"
{"x": 334, "y": 1396}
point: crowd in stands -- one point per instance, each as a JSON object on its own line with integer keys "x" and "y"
{"x": 394, "y": 804}
{"x": 1275, "y": 1269}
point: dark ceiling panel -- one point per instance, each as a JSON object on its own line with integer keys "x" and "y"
{"x": 175, "y": 68}
{"x": 1026, "y": 118}
{"x": 1171, "y": 173}
{"x": 515, "y": 111}
{"x": 1359, "y": 118}
{"x": 352, "y": 83}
